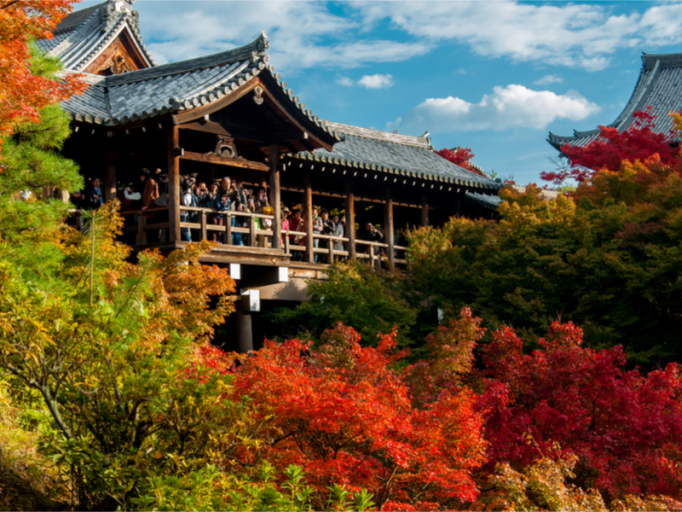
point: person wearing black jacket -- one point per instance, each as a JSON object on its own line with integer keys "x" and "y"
{"x": 372, "y": 234}
{"x": 93, "y": 195}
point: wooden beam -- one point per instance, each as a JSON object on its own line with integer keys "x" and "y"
{"x": 199, "y": 112}
{"x": 173, "y": 143}
{"x": 221, "y": 160}
{"x": 308, "y": 206}
{"x": 205, "y": 127}
{"x": 388, "y": 226}
{"x": 350, "y": 219}
{"x": 275, "y": 196}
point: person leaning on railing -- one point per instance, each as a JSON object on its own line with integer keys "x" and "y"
{"x": 221, "y": 203}
{"x": 372, "y": 234}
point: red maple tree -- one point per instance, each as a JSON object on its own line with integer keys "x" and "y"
{"x": 611, "y": 148}
{"x": 461, "y": 157}
{"x": 345, "y": 415}
{"x": 625, "y": 428}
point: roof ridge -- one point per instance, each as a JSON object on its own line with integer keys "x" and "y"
{"x": 371, "y": 133}
{"x": 77, "y": 18}
{"x": 667, "y": 60}
{"x": 255, "y": 48}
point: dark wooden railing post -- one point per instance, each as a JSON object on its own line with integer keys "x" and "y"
{"x": 228, "y": 229}
{"x": 286, "y": 243}
{"x": 350, "y": 219}
{"x": 173, "y": 145}
{"x": 273, "y": 155}
{"x": 388, "y": 225}
{"x": 252, "y": 231}
{"x": 330, "y": 244}
{"x": 308, "y": 205}
{"x": 204, "y": 234}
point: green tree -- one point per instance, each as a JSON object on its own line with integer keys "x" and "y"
{"x": 372, "y": 302}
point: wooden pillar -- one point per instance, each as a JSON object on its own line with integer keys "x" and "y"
{"x": 308, "y": 206}
{"x": 388, "y": 225}
{"x": 110, "y": 177}
{"x": 425, "y": 210}
{"x": 173, "y": 144}
{"x": 273, "y": 154}
{"x": 350, "y": 219}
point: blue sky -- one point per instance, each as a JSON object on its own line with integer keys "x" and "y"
{"x": 495, "y": 76}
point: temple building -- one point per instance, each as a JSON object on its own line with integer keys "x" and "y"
{"x": 658, "y": 89}
{"x": 231, "y": 115}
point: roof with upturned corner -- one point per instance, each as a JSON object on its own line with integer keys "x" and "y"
{"x": 659, "y": 87}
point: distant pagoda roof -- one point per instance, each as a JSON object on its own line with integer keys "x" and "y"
{"x": 83, "y": 35}
{"x": 659, "y": 86}
{"x": 394, "y": 153}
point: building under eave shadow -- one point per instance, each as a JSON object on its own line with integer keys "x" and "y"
{"x": 231, "y": 114}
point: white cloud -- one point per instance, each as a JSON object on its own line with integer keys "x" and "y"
{"x": 507, "y": 107}
{"x": 345, "y": 81}
{"x": 303, "y": 34}
{"x": 309, "y": 33}
{"x": 376, "y": 81}
{"x": 549, "y": 79}
{"x": 574, "y": 35}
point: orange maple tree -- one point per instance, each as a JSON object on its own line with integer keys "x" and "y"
{"x": 23, "y": 93}
{"x": 346, "y": 415}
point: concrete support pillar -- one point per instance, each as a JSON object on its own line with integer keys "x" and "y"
{"x": 244, "y": 332}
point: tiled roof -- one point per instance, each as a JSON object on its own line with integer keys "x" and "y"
{"x": 393, "y": 153}
{"x": 81, "y": 37}
{"x": 659, "y": 86}
{"x": 147, "y": 93}
{"x": 485, "y": 200}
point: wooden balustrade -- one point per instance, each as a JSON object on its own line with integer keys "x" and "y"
{"x": 373, "y": 252}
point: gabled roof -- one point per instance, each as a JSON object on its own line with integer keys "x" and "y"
{"x": 659, "y": 86}
{"x": 394, "y": 154}
{"x": 147, "y": 93}
{"x": 83, "y": 35}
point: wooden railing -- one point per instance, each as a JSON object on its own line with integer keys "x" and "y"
{"x": 293, "y": 242}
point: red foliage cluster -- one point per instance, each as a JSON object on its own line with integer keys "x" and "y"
{"x": 625, "y": 428}
{"x": 346, "y": 416}
{"x": 461, "y": 157}
{"x": 638, "y": 142}
{"x": 414, "y": 437}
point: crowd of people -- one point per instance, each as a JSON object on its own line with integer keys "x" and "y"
{"x": 150, "y": 192}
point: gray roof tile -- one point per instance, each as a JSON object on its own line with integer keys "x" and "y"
{"x": 659, "y": 86}
{"x": 84, "y": 34}
{"x": 485, "y": 200}
{"x": 177, "y": 86}
{"x": 395, "y": 154}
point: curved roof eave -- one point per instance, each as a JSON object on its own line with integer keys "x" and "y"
{"x": 409, "y": 173}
